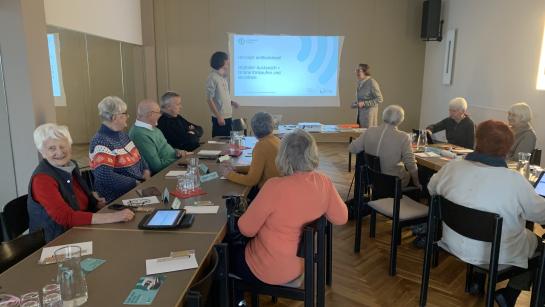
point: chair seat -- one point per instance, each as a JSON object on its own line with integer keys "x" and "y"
{"x": 408, "y": 209}
{"x": 296, "y": 283}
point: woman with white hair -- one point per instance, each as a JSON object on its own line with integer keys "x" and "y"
{"x": 460, "y": 129}
{"x": 264, "y": 154}
{"x": 277, "y": 215}
{"x": 58, "y": 197}
{"x": 392, "y": 146}
{"x": 519, "y": 117}
{"x": 116, "y": 163}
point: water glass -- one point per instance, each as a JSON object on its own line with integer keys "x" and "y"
{"x": 8, "y": 300}
{"x": 52, "y": 300}
{"x": 70, "y": 276}
{"x": 194, "y": 161}
{"x": 194, "y": 172}
{"x": 30, "y": 299}
{"x": 422, "y": 140}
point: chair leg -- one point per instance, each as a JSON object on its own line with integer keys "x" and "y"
{"x": 469, "y": 276}
{"x": 274, "y": 299}
{"x": 357, "y": 235}
{"x": 329, "y": 254}
{"x": 426, "y": 271}
{"x": 491, "y": 288}
{"x": 373, "y": 224}
{"x": 398, "y": 235}
{"x": 255, "y": 300}
{"x": 349, "y": 157}
{"x": 435, "y": 256}
{"x": 393, "y": 250}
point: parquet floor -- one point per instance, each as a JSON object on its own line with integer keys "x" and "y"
{"x": 362, "y": 279}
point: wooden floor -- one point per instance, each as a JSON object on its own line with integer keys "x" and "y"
{"x": 362, "y": 279}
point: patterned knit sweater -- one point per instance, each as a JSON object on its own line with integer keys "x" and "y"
{"x": 116, "y": 163}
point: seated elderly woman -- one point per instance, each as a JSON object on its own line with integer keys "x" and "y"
{"x": 392, "y": 146}
{"x": 519, "y": 117}
{"x": 460, "y": 129}
{"x": 58, "y": 197}
{"x": 500, "y": 190}
{"x": 116, "y": 163}
{"x": 284, "y": 205}
{"x": 263, "y": 166}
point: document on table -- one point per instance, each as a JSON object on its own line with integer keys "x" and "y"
{"x": 201, "y": 209}
{"x": 48, "y": 253}
{"x": 171, "y": 264}
{"x": 216, "y": 142}
{"x": 142, "y": 201}
{"x": 427, "y": 154}
{"x": 205, "y": 152}
{"x": 174, "y": 174}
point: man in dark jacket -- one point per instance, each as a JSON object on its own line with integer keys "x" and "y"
{"x": 179, "y": 132}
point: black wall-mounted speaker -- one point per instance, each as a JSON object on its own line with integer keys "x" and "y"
{"x": 431, "y": 21}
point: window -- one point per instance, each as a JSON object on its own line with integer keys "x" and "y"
{"x": 56, "y": 71}
{"x": 541, "y": 71}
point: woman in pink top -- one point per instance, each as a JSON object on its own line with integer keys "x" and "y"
{"x": 284, "y": 205}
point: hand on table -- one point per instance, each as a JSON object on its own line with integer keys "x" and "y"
{"x": 124, "y": 215}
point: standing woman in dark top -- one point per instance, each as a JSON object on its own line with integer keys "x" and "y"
{"x": 460, "y": 129}
{"x": 179, "y": 133}
{"x": 368, "y": 97}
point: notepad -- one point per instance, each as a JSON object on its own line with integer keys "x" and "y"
{"x": 201, "y": 209}
{"x": 205, "y": 152}
{"x": 174, "y": 174}
{"x": 48, "y": 253}
{"x": 427, "y": 154}
{"x": 171, "y": 264}
{"x": 142, "y": 201}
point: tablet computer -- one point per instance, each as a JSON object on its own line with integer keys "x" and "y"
{"x": 162, "y": 219}
{"x": 539, "y": 185}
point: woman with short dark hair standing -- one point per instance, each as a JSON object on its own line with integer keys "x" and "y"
{"x": 368, "y": 97}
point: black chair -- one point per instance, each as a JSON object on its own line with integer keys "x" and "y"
{"x": 314, "y": 255}
{"x": 87, "y": 175}
{"x": 473, "y": 224}
{"x": 535, "y": 159}
{"x": 386, "y": 198}
{"x": 538, "y": 288}
{"x": 17, "y": 249}
{"x": 360, "y": 192}
{"x": 15, "y": 218}
{"x": 212, "y": 287}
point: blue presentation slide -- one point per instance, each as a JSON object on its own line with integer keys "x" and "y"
{"x": 283, "y": 65}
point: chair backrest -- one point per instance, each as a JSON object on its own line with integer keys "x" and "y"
{"x": 468, "y": 222}
{"x": 372, "y": 161}
{"x": 89, "y": 178}
{"x": 535, "y": 159}
{"x": 17, "y": 249}
{"x": 15, "y": 217}
{"x": 199, "y": 292}
{"x": 380, "y": 185}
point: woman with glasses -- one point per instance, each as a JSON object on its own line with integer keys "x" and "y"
{"x": 368, "y": 97}
{"x": 116, "y": 163}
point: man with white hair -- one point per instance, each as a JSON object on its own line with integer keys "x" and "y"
{"x": 460, "y": 129}
{"x": 392, "y": 146}
{"x": 149, "y": 140}
{"x": 179, "y": 132}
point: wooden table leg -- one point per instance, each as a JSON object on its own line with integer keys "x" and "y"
{"x": 349, "y": 157}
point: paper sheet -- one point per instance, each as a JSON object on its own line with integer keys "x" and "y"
{"x": 175, "y": 173}
{"x": 142, "y": 201}
{"x": 216, "y": 142}
{"x": 48, "y": 253}
{"x": 205, "y": 152}
{"x": 428, "y": 154}
{"x": 170, "y": 264}
{"x": 201, "y": 209}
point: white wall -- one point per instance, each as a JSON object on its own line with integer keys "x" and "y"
{"x": 495, "y": 63}
{"x": 115, "y": 19}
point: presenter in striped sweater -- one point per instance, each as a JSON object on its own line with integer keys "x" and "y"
{"x": 116, "y": 162}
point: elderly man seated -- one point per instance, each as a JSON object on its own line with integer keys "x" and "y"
{"x": 179, "y": 133}
{"x": 115, "y": 160}
{"x": 460, "y": 129}
{"x": 149, "y": 140}
{"x": 392, "y": 146}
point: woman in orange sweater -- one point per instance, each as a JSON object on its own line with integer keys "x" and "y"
{"x": 284, "y": 205}
{"x": 262, "y": 167}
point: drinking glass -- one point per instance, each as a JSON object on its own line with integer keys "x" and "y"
{"x": 8, "y": 300}
{"x": 70, "y": 276}
{"x": 422, "y": 141}
{"x": 30, "y": 297}
{"x": 194, "y": 174}
{"x": 31, "y": 304}
{"x": 52, "y": 300}
{"x": 51, "y": 295}
{"x": 524, "y": 163}
{"x": 194, "y": 161}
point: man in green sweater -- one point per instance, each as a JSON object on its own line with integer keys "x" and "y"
{"x": 149, "y": 140}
